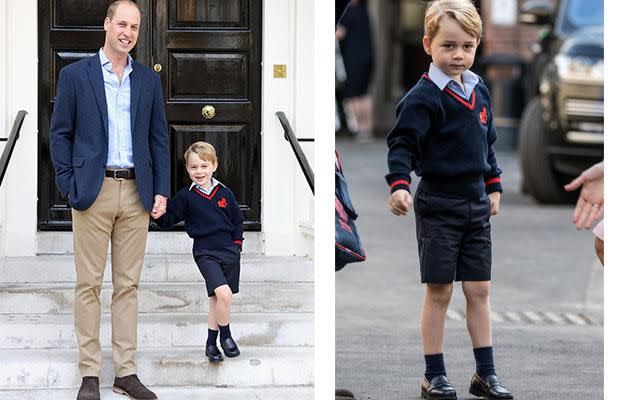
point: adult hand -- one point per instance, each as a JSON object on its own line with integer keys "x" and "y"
{"x": 399, "y": 202}
{"x": 590, "y": 205}
{"x": 341, "y": 32}
{"x": 495, "y": 200}
{"x": 159, "y": 206}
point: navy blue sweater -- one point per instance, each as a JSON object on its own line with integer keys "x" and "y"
{"x": 446, "y": 139}
{"x": 214, "y": 221}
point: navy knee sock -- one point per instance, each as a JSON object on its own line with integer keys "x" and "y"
{"x": 225, "y": 332}
{"x": 485, "y": 361}
{"x": 212, "y": 337}
{"x": 434, "y": 365}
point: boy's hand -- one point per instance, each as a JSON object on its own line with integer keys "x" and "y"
{"x": 399, "y": 202}
{"x": 495, "y": 200}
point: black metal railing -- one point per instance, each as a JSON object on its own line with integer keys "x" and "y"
{"x": 297, "y": 149}
{"x": 10, "y": 145}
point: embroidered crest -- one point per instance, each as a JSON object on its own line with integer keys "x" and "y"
{"x": 222, "y": 203}
{"x": 483, "y": 115}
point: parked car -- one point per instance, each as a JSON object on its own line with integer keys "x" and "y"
{"x": 562, "y": 127}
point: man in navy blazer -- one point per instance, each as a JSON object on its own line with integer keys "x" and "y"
{"x": 110, "y": 148}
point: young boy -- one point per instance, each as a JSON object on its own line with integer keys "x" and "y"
{"x": 215, "y": 222}
{"x": 444, "y": 132}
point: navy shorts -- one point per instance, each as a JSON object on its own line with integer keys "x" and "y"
{"x": 454, "y": 242}
{"x": 219, "y": 267}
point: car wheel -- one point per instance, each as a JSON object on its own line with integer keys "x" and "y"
{"x": 539, "y": 178}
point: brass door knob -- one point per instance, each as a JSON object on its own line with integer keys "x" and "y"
{"x": 208, "y": 112}
{"x": 157, "y": 67}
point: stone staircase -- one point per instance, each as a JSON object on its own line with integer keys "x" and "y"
{"x": 272, "y": 321}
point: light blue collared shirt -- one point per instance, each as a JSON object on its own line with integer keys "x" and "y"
{"x": 213, "y": 183}
{"x": 441, "y": 79}
{"x": 118, "y": 94}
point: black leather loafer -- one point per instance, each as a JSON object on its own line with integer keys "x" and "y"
{"x": 438, "y": 389}
{"x": 490, "y": 388}
{"x": 230, "y": 349}
{"x": 213, "y": 353}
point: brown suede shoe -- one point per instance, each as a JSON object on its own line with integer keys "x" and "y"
{"x": 131, "y": 387}
{"x": 89, "y": 389}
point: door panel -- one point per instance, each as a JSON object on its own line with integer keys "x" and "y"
{"x": 210, "y": 51}
{"x": 210, "y": 54}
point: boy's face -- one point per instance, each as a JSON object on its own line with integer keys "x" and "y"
{"x": 200, "y": 171}
{"x": 452, "y": 49}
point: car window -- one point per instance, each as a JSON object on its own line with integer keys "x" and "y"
{"x": 580, "y": 14}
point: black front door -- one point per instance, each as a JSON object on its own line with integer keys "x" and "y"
{"x": 208, "y": 54}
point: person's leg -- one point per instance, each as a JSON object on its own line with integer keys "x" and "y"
{"x": 363, "y": 107}
{"x": 91, "y": 233}
{"x": 478, "y": 319}
{"x": 128, "y": 246}
{"x": 224, "y": 304}
{"x": 212, "y": 314}
{"x": 436, "y": 299}
{"x": 599, "y": 249}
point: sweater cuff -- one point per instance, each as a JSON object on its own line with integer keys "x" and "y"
{"x": 398, "y": 182}
{"x": 493, "y": 185}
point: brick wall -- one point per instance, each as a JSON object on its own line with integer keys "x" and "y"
{"x": 507, "y": 39}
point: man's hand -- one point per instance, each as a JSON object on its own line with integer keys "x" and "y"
{"x": 495, "y": 201}
{"x": 590, "y": 205}
{"x": 159, "y": 206}
{"x": 399, "y": 202}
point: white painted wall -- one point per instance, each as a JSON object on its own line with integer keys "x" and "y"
{"x": 287, "y": 203}
{"x": 287, "y": 200}
{"x": 18, "y": 199}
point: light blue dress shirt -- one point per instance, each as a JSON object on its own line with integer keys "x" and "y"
{"x": 441, "y": 79}
{"x": 213, "y": 183}
{"x": 118, "y": 94}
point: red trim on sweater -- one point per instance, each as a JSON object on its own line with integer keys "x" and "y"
{"x": 202, "y": 194}
{"x": 470, "y": 105}
{"x": 493, "y": 180}
{"x": 399, "y": 182}
{"x": 239, "y": 242}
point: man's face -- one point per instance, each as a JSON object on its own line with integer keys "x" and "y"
{"x": 121, "y": 32}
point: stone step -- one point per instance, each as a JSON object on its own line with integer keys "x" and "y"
{"x": 157, "y": 243}
{"x": 41, "y": 331}
{"x": 255, "y": 367}
{"x": 168, "y": 298}
{"x": 157, "y": 268}
{"x": 173, "y": 393}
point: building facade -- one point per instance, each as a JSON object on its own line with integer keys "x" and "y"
{"x": 254, "y": 60}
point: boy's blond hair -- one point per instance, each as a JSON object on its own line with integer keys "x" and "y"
{"x": 461, "y": 11}
{"x": 204, "y": 150}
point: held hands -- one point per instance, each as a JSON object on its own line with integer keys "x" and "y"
{"x": 495, "y": 200}
{"x": 399, "y": 202}
{"x": 159, "y": 206}
{"x": 590, "y": 205}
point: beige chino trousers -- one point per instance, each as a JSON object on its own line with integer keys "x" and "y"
{"x": 116, "y": 215}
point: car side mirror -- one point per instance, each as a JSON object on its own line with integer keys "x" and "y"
{"x": 536, "y": 12}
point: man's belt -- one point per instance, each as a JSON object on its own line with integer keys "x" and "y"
{"x": 121, "y": 173}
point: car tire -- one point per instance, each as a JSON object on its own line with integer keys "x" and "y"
{"x": 539, "y": 178}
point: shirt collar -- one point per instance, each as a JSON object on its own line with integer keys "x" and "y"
{"x": 213, "y": 183}
{"x": 441, "y": 79}
{"x": 105, "y": 60}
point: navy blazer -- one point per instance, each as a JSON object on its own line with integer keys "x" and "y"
{"x": 79, "y": 133}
